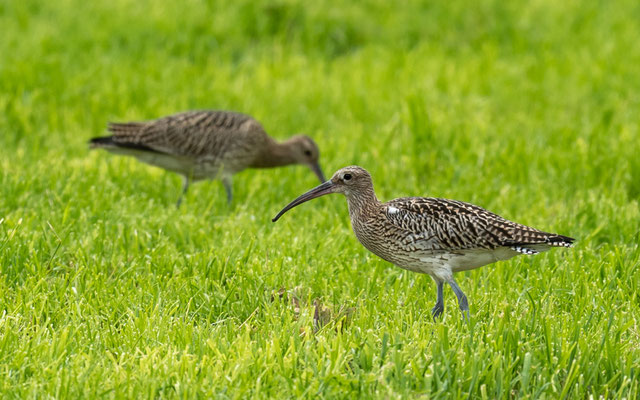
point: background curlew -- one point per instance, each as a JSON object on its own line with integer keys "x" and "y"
{"x": 207, "y": 145}
{"x": 430, "y": 235}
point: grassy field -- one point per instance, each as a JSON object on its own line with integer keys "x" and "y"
{"x": 529, "y": 109}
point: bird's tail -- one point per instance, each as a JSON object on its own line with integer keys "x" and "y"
{"x": 125, "y": 128}
{"x": 560, "y": 241}
{"x": 108, "y": 143}
{"x": 550, "y": 240}
{"x": 101, "y": 142}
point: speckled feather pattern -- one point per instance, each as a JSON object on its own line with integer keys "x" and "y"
{"x": 440, "y": 236}
{"x": 456, "y": 225}
{"x": 199, "y": 142}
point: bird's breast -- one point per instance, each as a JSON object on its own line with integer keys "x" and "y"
{"x": 386, "y": 242}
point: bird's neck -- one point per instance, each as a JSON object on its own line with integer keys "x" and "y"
{"x": 275, "y": 154}
{"x": 362, "y": 203}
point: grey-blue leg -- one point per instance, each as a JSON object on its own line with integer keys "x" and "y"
{"x": 437, "y": 310}
{"x": 185, "y": 187}
{"x": 226, "y": 181}
{"x": 462, "y": 298}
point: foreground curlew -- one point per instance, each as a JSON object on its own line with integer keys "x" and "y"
{"x": 207, "y": 145}
{"x": 429, "y": 235}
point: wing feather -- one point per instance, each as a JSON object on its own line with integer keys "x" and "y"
{"x": 191, "y": 133}
{"x": 455, "y": 225}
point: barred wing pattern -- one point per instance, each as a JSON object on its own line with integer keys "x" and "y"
{"x": 191, "y": 133}
{"x": 451, "y": 225}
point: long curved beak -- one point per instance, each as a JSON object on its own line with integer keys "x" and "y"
{"x": 318, "y": 191}
{"x": 315, "y": 167}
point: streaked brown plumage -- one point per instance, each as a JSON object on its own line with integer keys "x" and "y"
{"x": 207, "y": 145}
{"x": 430, "y": 235}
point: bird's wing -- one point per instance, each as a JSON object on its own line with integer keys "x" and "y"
{"x": 191, "y": 133}
{"x": 440, "y": 224}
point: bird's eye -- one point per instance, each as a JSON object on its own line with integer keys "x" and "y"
{"x": 346, "y": 177}
{"x": 307, "y": 153}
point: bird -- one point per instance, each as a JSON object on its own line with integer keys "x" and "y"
{"x": 207, "y": 144}
{"x": 428, "y": 235}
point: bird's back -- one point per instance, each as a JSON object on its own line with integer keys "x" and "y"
{"x": 414, "y": 230}
{"x": 192, "y": 133}
{"x": 196, "y": 143}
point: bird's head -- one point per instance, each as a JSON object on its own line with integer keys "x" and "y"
{"x": 305, "y": 151}
{"x": 349, "y": 181}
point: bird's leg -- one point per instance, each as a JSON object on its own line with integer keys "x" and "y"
{"x": 185, "y": 187}
{"x": 462, "y": 298}
{"x": 226, "y": 181}
{"x": 439, "y": 307}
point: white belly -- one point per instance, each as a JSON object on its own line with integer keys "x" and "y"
{"x": 196, "y": 169}
{"x": 443, "y": 265}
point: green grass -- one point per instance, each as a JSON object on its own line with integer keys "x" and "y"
{"x": 529, "y": 109}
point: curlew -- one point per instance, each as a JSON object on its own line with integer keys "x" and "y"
{"x": 207, "y": 145}
{"x": 429, "y": 235}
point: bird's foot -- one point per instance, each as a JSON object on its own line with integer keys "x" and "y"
{"x": 437, "y": 310}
